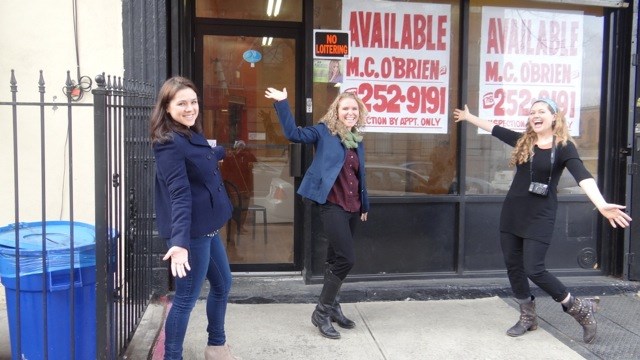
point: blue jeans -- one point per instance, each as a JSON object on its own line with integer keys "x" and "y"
{"x": 207, "y": 258}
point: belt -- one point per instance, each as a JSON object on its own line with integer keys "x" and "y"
{"x": 212, "y": 234}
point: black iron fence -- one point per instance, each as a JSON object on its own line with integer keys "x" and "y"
{"x": 77, "y": 272}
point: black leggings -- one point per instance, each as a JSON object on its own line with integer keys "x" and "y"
{"x": 338, "y": 226}
{"x": 524, "y": 259}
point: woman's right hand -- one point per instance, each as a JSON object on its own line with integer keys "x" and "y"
{"x": 179, "y": 261}
{"x": 276, "y": 95}
{"x": 460, "y": 115}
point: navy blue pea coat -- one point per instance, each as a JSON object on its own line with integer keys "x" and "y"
{"x": 190, "y": 198}
{"x": 330, "y": 155}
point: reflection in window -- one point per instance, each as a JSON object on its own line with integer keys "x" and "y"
{"x": 276, "y": 10}
{"x": 398, "y": 164}
{"x": 487, "y": 158}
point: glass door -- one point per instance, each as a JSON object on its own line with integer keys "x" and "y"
{"x": 235, "y": 70}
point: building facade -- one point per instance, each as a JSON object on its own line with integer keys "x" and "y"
{"x": 436, "y": 186}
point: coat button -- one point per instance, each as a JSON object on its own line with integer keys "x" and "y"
{"x": 208, "y": 157}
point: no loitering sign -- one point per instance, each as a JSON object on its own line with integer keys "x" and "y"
{"x": 330, "y": 44}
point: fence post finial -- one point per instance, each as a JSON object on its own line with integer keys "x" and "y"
{"x": 100, "y": 80}
{"x": 41, "y": 83}
{"x": 13, "y": 82}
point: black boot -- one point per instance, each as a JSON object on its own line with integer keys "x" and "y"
{"x": 321, "y": 316}
{"x": 582, "y": 310}
{"x": 528, "y": 318}
{"x": 338, "y": 317}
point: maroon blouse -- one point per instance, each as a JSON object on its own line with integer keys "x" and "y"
{"x": 345, "y": 191}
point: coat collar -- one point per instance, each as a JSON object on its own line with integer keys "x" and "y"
{"x": 195, "y": 139}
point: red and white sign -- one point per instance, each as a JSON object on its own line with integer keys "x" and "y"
{"x": 528, "y": 54}
{"x": 399, "y": 64}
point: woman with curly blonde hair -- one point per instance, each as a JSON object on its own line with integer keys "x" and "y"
{"x": 334, "y": 124}
{"x": 335, "y": 181}
{"x": 524, "y": 147}
{"x": 528, "y": 215}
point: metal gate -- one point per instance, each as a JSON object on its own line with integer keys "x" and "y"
{"x": 122, "y": 163}
{"x": 124, "y": 172}
{"x": 631, "y": 265}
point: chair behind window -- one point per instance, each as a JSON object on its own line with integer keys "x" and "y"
{"x": 236, "y": 214}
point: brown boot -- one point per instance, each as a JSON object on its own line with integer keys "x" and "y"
{"x": 221, "y": 352}
{"x": 528, "y": 318}
{"x": 582, "y": 310}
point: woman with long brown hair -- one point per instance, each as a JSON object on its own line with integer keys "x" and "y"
{"x": 191, "y": 207}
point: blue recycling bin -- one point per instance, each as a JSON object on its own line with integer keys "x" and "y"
{"x": 55, "y": 290}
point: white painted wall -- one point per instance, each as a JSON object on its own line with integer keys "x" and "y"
{"x": 39, "y": 35}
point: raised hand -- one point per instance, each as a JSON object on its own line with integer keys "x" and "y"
{"x": 276, "y": 95}
{"x": 460, "y": 115}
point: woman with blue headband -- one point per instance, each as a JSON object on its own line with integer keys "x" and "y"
{"x": 540, "y": 154}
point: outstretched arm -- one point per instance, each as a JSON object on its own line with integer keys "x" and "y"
{"x": 460, "y": 115}
{"x": 613, "y": 212}
{"x": 307, "y": 135}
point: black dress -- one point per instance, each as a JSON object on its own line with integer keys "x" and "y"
{"x": 530, "y": 215}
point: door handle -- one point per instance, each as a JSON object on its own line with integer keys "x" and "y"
{"x": 295, "y": 159}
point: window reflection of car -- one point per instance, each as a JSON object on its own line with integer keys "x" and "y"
{"x": 263, "y": 172}
{"x": 567, "y": 185}
{"x": 473, "y": 186}
{"x": 421, "y": 167}
{"x": 279, "y": 201}
{"x": 274, "y": 190}
{"x": 382, "y": 180}
{"x": 389, "y": 180}
{"x": 502, "y": 180}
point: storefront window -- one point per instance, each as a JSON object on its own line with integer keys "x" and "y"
{"x": 403, "y": 63}
{"x": 519, "y": 54}
{"x": 275, "y": 10}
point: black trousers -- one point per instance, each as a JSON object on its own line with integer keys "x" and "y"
{"x": 524, "y": 259}
{"x": 338, "y": 226}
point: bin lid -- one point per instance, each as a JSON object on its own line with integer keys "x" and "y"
{"x": 57, "y": 235}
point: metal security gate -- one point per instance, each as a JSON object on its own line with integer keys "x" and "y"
{"x": 631, "y": 268}
{"x": 124, "y": 172}
{"x": 46, "y": 156}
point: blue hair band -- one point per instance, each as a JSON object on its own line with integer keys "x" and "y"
{"x": 552, "y": 104}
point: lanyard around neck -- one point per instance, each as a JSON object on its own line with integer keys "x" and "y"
{"x": 553, "y": 158}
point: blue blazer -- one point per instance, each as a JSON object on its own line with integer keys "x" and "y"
{"x": 190, "y": 198}
{"x": 328, "y": 160}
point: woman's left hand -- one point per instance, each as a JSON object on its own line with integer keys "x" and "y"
{"x": 614, "y": 213}
{"x": 363, "y": 216}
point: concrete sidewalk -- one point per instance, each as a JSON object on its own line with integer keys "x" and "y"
{"x": 433, "y": 322}
{"x": 269, "y": 318}
{"x": 439, "y": 329}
